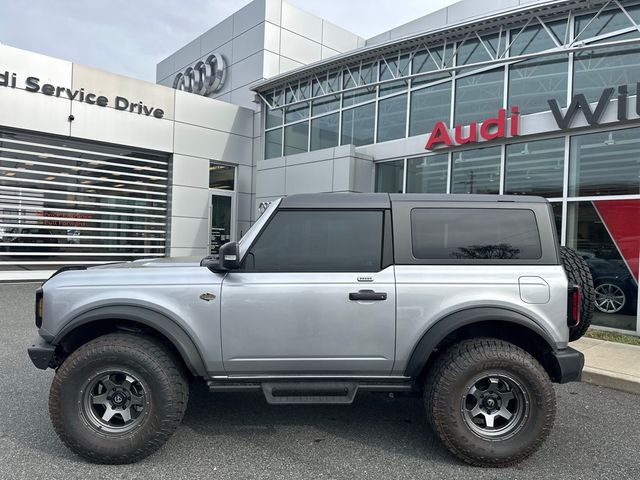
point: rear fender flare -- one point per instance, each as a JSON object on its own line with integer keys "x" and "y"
{"x": 454, "y": 321}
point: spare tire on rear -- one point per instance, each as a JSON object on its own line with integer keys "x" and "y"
{"x": 579, "y": 274}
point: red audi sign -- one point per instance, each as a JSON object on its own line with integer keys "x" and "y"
{"x": 489, "y": 129}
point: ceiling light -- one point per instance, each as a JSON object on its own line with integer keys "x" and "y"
{"x": 120, "y": 185}
{"x": 85, "y": 181}
{"x": 10, "y": 174}
{"x": 50, "y": 178}
{"x": 43, "y": 156}
{"x": 610, "y": 140}
{"x": 525, "y": 150}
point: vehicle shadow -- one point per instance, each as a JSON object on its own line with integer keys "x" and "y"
{"x": 395, "y": 425}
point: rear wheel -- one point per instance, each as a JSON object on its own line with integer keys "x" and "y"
{"x": 579, "y": 274}
{"x": 118, "y": 398}
{"x": 490, "y": 402}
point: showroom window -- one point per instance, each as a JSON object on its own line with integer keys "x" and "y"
{"x": 586, "y": 26}
{"x": 273, "y": 117}
{"x": 390, "y": 177}
{"x": 427, "y": 174}
{"x": 479, "y": 96}
{"x": 605, "y": 163}
{"x": 605, "y": 236}
{"x": 535, "y": 168}
{"x": 222, "y": 176}
{"x": 476, "y": 171}
{"x": 595, "y": 70}
{"x": 430, "y": 61}
{"x": 324, "y": 131}
{"x": 296, "y": 112}
{"x": 474, "y": 51}
{"x": 325, "y": 84}
{"x": 296, "y": 138}
{"x": 273, "y": 143}
{"x": 393, "y": 67}
{"x": 64, "y": 202}
{"x": 429, "y": 105}
{"x": 392, "y": 118}
{"x": 358, "y": 125}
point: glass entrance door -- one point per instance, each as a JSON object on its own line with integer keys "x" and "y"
{"x": 221, "y": 220}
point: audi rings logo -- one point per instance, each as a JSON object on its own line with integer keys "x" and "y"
{"x": 204, "y": 77}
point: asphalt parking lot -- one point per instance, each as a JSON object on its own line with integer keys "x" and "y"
{"x": 597, "y": 432}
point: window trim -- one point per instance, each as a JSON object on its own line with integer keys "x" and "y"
{"x": 403, "y": 248}
{"x": 386, "y": 246}
{"x": 479, "y": 260}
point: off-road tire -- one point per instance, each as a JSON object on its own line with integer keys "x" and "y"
{"x": 446, "y": 387}
{"x": 149, "y": 360}
{"x": 579, "y": 274}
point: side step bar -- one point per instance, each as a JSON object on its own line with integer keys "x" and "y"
{"x": 281, "y": 392}
{"x": 309, "y": 392}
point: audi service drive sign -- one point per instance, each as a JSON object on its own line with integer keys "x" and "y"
{"x": 204, "y": 77}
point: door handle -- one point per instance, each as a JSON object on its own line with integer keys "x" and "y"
{"x": 367, "y": 295}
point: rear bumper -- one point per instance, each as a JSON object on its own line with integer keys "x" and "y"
{"x": 569, "y": 363}
{"x": 41, "y": 353}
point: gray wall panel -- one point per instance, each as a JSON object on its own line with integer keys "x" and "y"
{"x": 189, "y": 202}
{"x": 299, "y": 48}
{"x": 190, "y": 171}
{"x": 217, "y": 36}
{"x": 249, "y": 16}
{"x": 187, "y": 55}
{"x": 248, "y": 43}
{"x": 212, "y": 144}
{"x": 309, "y": 177}
{"x": 301, "y": 22}
{"x": 121, "y": 128}
{"x": 189, "y": 232}
{"x": 270, "y": 183}
{"x": 195, "y": 110}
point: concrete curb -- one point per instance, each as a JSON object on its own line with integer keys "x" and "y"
{"x": 616, "y": 381}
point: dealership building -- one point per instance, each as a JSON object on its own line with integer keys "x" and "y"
{"x": 500, "y": 97}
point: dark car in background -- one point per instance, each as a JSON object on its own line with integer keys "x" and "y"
{"x": 615, "y": 288}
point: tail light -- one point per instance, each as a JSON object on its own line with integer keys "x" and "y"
{"x": 39, "y": 306}
{"x": 573, "y": 310}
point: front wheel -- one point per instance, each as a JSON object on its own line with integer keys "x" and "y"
{"x": 118, "y": 398}
{"x": 490, "y": 402}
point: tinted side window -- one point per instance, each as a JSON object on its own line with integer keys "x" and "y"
{"x": 474, "y": 233}
{"x": 319, "y": 241}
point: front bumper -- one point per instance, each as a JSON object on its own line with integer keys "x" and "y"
{"x": 41, "y": 353}
{"x": 568, "y": 363}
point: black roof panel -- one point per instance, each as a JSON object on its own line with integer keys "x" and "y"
{"x": 384, "y": 200}
{"x": 336, "y": 200}
{"x": 463, "y": 197}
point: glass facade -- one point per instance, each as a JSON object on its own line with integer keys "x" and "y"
{"x": 404, "y": 94}
{"x": 476, "y": 171}
{"x": 535, "y": 168}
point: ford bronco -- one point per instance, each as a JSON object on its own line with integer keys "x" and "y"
{"x": 467, "y": 300}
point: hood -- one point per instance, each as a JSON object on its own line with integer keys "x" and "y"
{"x": 153, "y": 262}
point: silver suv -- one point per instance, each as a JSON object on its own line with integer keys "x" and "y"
{"x": 467, "y": 300}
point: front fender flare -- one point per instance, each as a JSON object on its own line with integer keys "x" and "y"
{"x": 145, "y": 316}
{"x": 452, "y": 322}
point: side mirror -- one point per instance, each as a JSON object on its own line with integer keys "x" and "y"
{"x": 228, "y": 258}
